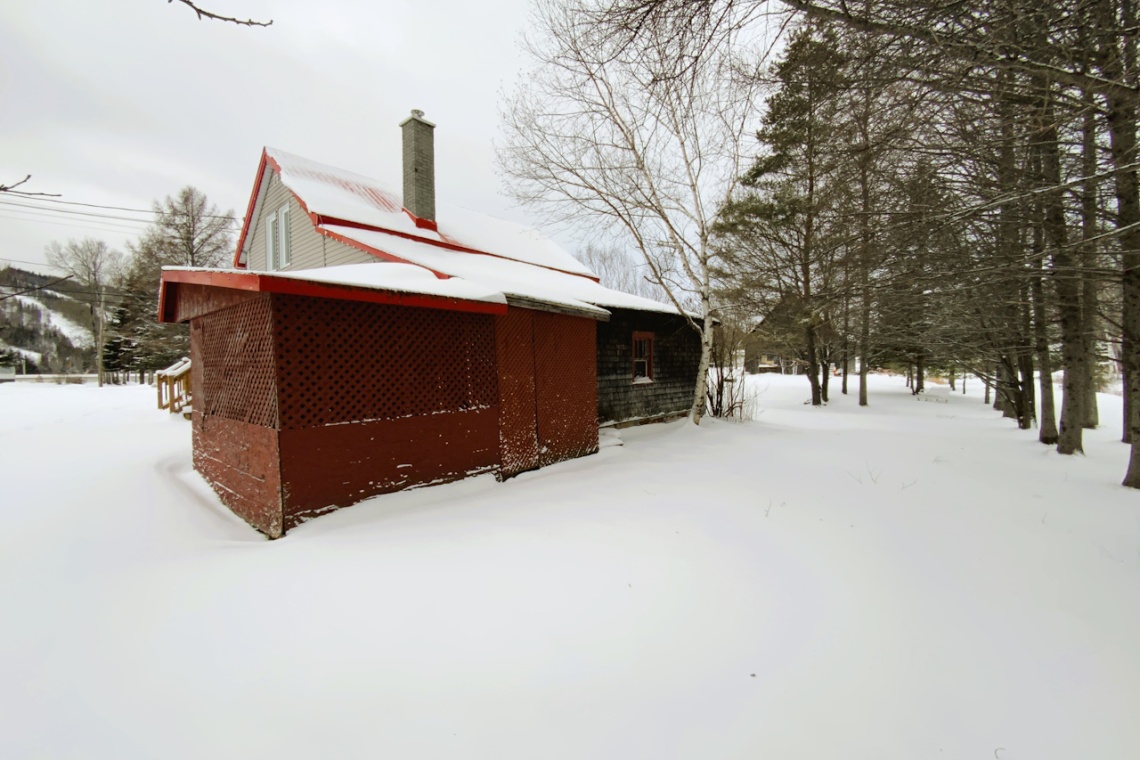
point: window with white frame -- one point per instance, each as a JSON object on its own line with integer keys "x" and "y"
{"x": 642, "y": 357}
{"x": 277, "y": 234}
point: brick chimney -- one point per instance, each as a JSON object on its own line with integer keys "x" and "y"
{"x": 419, "y": 166}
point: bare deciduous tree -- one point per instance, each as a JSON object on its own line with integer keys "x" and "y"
{"x": 188, "y": 231}
{"x": 642, "y": 139}
{"x": 617, "y": 268}
{"x": 97, "y": 268}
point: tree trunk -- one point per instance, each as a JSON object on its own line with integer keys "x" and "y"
{"x": 1047, "y": 420}
{"x": 1126, "y": 421}
{"x": 824, "y": 379}
{"x": 1027, "y": 409}
{"x": 697, "y": 410}
{"x": 1004, "y": 396}
{"x": 846, "y": 321}
{"x": 1089, "y": 316}
{"x": 813, "y": 365}
{"x": 97, "y": 318}
{"x": 1028, "y": 413}
{"x": 1065, "y": 280}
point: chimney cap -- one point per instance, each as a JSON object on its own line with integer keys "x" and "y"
{"x": 417, "y": 115}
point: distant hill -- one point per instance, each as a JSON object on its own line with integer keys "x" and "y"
{"x": 47, "y": 330}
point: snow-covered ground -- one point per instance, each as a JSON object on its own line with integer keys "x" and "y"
{"x": 912, "y": 580}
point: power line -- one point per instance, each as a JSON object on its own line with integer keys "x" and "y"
{"x": 62, "y": 292}
{"x": 36, "y": 216}
{"x": 65, "y": 224}
{"x": 71, "y": 212}
{"x": 138, "y": 210}
{"x": 38, "y": 287}
{"x": 36, "y": 263}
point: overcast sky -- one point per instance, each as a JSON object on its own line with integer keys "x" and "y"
{"x": 120, "y": 102}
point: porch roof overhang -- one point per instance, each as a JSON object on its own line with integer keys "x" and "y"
{"x": 447, "y": 295}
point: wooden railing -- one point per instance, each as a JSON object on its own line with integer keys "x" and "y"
{"x": 173, "y": 383}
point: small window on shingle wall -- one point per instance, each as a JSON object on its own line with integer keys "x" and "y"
{"x": 643, "y": 357}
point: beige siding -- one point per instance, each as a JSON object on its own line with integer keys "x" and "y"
{"x": 308, "y": 248}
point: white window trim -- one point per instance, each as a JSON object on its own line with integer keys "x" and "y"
{"x": 284, "y": 238}
{"x": 278, "y": 240}
{"x": 271, "y": 242}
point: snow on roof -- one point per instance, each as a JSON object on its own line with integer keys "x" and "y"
{"x": 512, "y": 278}
{"x": 401, "y": 278}
{"x": 328, "y": 191}
{"x": 388, "y": 276}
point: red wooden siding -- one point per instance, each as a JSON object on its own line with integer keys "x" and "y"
{"x": 308, "y": 404}
{"x": 196, "y": 300}
{"x": 549, "y": 389}
{"x": 235, "y": 351}
{"x": 377, "y": 398}
{"x": 337, "y": 465}
{"x": 239, "y": 459}
{"x": 565, "y": 363}
{"x": 346, "y": 361}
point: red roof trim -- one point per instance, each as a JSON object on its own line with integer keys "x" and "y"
{"x": 249, "y": 209}
{"x": 383, "y": 256}
{"x": 265, "y": 283}
{"x": 266, "y": 161}
{"x": 423, "y": 224}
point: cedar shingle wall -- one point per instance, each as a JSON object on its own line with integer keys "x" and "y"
{"x": 676, "y": 356}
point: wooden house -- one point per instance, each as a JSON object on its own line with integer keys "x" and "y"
{"x": 363, "y": 343}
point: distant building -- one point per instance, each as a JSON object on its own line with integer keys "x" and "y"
{"x": 360, "y": 345}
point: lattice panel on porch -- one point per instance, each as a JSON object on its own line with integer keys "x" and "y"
{"x": 518, "y": 429}
{"x": 234, "y": 363}
{"x": 346, "y": 361}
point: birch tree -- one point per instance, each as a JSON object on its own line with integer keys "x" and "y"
{"x": 96, "y": 267}
{"x": 638, "y": 138}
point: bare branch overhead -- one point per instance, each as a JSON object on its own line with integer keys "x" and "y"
{"x": 12, "y": 189}
{"x": 205, "y": 14}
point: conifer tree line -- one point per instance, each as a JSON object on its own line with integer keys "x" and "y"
{"x": 121, "y": 289}
{"x": 950, "y": 187}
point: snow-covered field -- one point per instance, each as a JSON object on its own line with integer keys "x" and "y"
{"x": 912, "y": 580}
